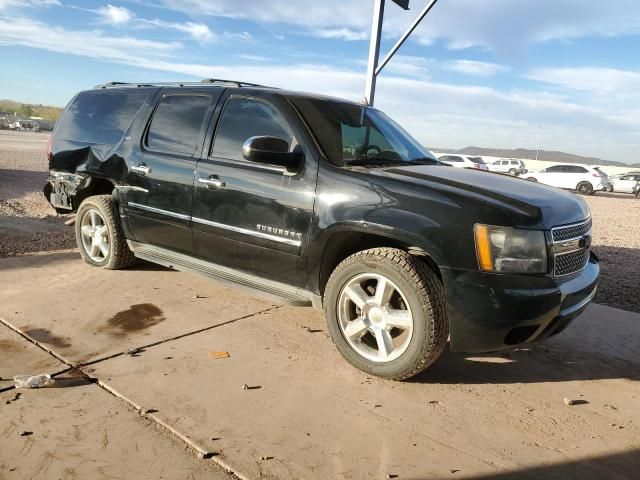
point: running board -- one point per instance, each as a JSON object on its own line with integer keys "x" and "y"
{"x": 280, "y": 292}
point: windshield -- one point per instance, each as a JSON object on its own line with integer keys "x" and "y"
{"x": 352, "y": 134}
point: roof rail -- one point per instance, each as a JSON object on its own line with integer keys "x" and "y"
{"x": 180, "y": 84}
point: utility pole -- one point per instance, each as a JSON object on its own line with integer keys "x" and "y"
{"x": 374, "y": 67}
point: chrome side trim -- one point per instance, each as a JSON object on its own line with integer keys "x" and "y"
{"x": 159, "y": 210}
{"x": 246, "y": 231}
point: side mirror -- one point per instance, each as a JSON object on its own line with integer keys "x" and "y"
{"x": 271, "y": 151}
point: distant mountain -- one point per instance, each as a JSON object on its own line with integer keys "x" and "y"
{"x": 548, "y": 156}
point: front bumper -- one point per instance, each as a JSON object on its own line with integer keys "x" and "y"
{"x": 491, "y": 312}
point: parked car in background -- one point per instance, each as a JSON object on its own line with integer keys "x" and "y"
{"x": 508, "y": 165}
{"x": 585, "y": 179}
{"x": 464, "y": 161}
{"x": 624, "y": 183}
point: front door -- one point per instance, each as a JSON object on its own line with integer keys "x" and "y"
{"x": 248, "y": 216}
{"x": 160, "y": 177}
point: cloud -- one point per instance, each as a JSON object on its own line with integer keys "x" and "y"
{"x": 88, "y": 43}
{"x": 596, "y": 80}
{"x": 501, "y": 25}
{"x": 436, "y": 113}
{"x": 339, "y": 33}
{"x": 28, "y": 3}
{"x": 197, "y": 31}
{"x": 472, "y": 67}
{"x": 115, "y": 15}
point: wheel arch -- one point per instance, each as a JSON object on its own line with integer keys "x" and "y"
{"x": 342, "y": 244}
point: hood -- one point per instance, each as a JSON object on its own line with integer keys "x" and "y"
{"x": 527, "y": 203}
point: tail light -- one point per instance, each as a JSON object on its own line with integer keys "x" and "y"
{"x": 48, "y": 151}
{"x": 597, "y": 175}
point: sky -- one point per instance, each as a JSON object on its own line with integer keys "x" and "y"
{"x": 561, "y": 74}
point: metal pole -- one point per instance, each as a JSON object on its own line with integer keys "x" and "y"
{"x": 399, "y": 43}
{"x": 374, "y": 51}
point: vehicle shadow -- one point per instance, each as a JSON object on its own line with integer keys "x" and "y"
{"x": 537, "y": 364}
{"x": 616, "y": 466}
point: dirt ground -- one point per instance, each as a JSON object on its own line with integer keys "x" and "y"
{"x": 163, "y": 374}
{"x": 29, "y": 224}
{"x": 159, "y": 375}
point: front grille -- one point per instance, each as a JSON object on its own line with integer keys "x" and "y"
{"x": 571, "y": 262}
{"x": 561, "y": 234}
{"x": 572, "y": 248}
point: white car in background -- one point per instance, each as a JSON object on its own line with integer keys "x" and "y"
{"x": 508, "y": 165}
{"x": 584, "y": 179}
{"x": 463, "y": 161}
{"x": 624, "y": 183}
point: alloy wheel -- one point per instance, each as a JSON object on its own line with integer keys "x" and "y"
{"x": 375, "y": 317}
{"x": 95, "y": 236}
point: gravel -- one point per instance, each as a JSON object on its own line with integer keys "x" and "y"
{"x": 29, "y": 224}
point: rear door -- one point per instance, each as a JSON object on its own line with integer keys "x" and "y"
{"x": 160, "y": 177}
{"x": 254, "y": 217}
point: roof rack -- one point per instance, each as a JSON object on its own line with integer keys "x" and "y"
{"x": 219, "y": 81}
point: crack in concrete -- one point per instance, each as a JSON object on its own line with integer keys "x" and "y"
{"x": 202, "y": 452}
{"x": 178, "y": 337}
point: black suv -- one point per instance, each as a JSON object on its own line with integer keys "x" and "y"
{"x": 323, "y": 201}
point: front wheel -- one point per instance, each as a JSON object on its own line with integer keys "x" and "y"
{"x": 386, "y": 313}
{"x": 532, "y": 179}
{"x": 585, "y": 188}
{"x": 99, "y": 234}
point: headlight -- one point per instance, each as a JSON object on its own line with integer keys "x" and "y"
{"x": 510, "y": 250}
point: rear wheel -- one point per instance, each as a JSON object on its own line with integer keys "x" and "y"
{"x": 99, "y": 234}
{"x": 585, "y": 188}
{"x": 386, "y": 313}
{"x": 512, "y": 171}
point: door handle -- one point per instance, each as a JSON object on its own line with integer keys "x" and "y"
{"x": 212, "y": 182}
{"x": 141, "y": 169}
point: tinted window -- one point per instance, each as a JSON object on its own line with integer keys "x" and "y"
{"x": 244, "y": 118}
{"x": 576, "y": 169}
{"x": 176, "y": 123}
{"x": 476, "y": 159}
{"x": 556, "y": 169}
{"x": 99, "y": 117}
{"x": 451, "y": 158}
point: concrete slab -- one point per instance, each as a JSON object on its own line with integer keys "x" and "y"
{"x": 85, "y": 313}
{"x": 82, "y": 431}
{"x": 313, "y": 416}
{"x": 20, "y": 357}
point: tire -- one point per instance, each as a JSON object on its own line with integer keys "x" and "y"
{"x": 585, "y": 188}
{"x": 512, "y": 171}
{"x": 99, "y": 214}
{"x": 416, "y": 290}
{"x": 610, "y": 189}
{"x": 532, "y": 179}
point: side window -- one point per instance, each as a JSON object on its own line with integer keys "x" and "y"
{"x": 578, "y": 170}
{"x": 453, "y": 158}
{"x": 176, "y": 123}
{"x": 243, "y": 118}
{"x": 556, "y": 169}
{"x": 99, "y": 117}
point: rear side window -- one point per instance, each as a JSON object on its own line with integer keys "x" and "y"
{"x": 176, "y": 123}
{"x": 243, "y": 118}
{"x": 99, "y": 118}
{"x": 451, "y": 158}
